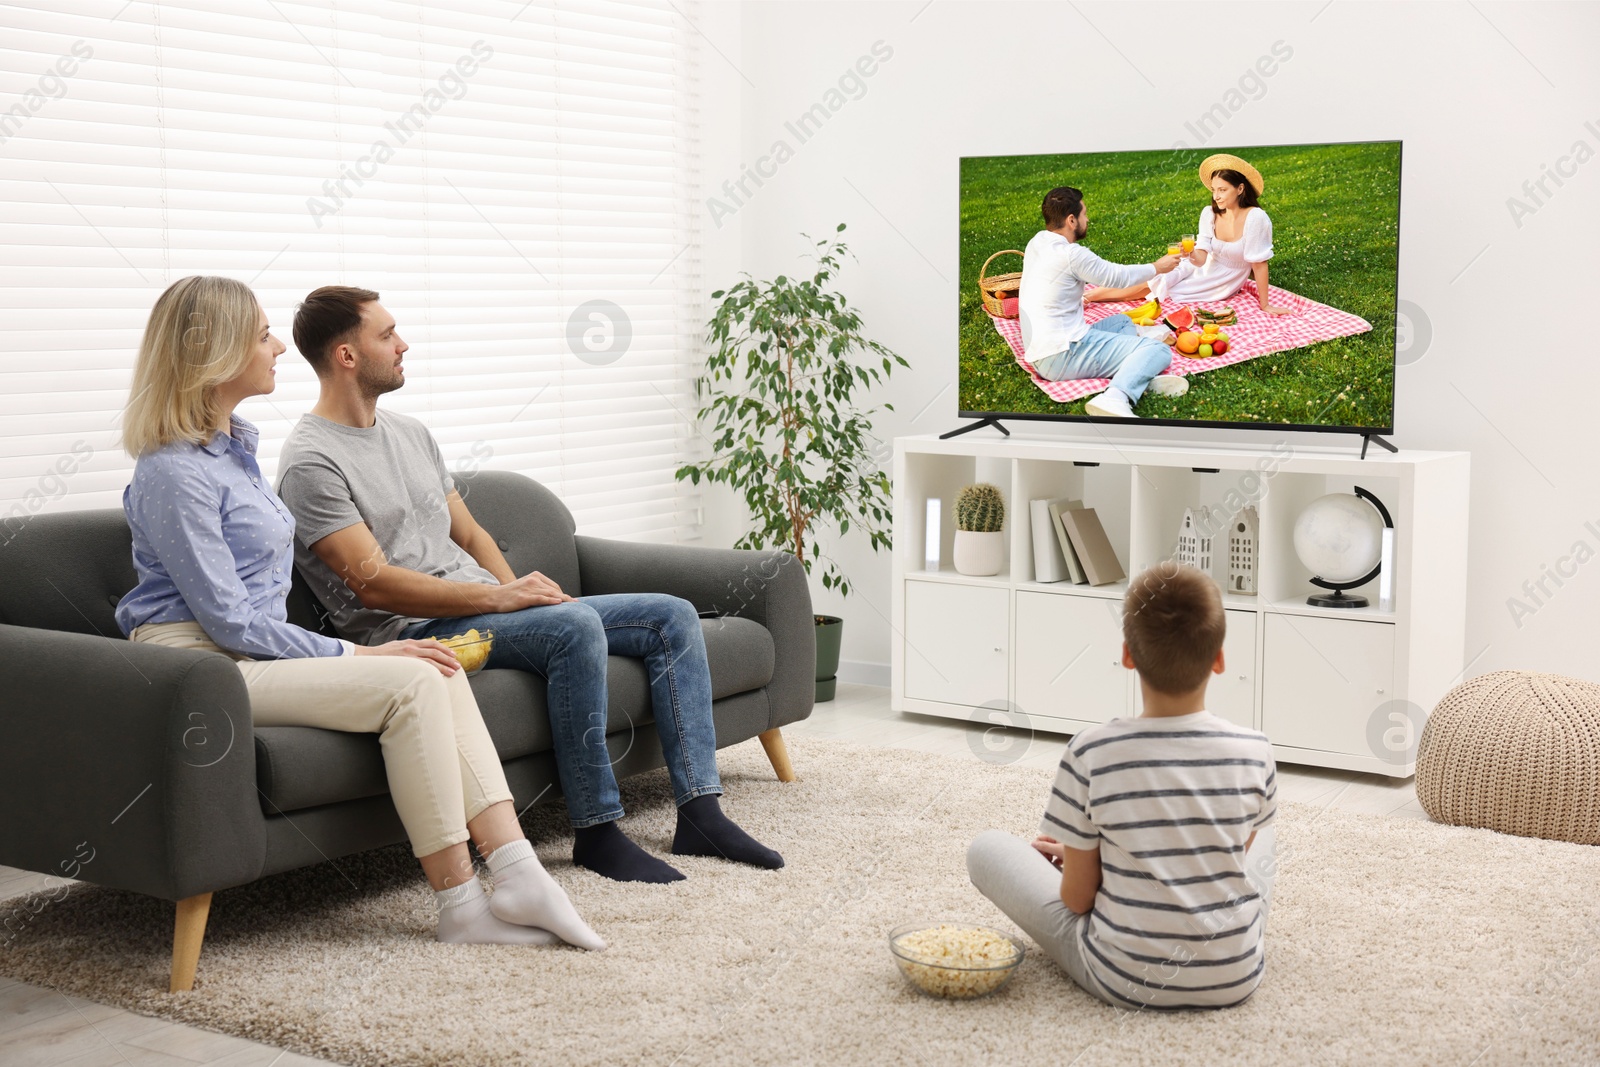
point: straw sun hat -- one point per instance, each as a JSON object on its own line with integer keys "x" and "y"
{"x": 1223, "y": 161}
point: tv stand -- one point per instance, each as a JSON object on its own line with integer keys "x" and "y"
{"x": 1344, "y": 687}
{"x": 1368, "y": 438}
{"x": 980, "y": 424}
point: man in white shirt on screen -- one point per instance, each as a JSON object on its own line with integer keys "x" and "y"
{"x": 1057, "y": 340}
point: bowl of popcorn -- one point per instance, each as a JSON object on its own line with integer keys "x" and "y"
{"x": 953, "y": 959}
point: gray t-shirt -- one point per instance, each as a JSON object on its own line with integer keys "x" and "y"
{"x": 390, "y": 476}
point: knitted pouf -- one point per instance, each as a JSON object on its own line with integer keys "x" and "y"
{"x": 1517, "y": 752}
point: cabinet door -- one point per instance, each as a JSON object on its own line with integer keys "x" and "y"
{"x": 956, "y": 641}
{"x": 1069, "y": 657}
{"x": 1323, "y": 678}
{"x": 1231, "y": 694}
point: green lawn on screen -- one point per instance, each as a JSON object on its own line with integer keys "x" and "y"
{"x": 1335, "y": 221}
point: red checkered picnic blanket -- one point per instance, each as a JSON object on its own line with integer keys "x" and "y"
{"x": 1255, "y": 334}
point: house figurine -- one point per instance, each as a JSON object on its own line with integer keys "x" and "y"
{"x": 1244, "y": 534}
{"x": 1194, "y": 539}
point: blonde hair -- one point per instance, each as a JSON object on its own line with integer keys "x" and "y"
{"x": 1174, "y": 624}
{"x": 201, "y": 333}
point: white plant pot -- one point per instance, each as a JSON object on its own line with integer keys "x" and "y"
{"x": 979, "y": 553}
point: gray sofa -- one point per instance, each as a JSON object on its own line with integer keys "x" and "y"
{"x": 145, "y": 759}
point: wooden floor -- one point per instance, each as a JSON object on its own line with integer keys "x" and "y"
{"x": 41, "y": 1028}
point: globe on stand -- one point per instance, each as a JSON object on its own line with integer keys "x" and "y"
{"x": 1339, "y": 537}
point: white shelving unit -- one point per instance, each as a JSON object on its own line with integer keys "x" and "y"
{"x": 1322, "y": 683}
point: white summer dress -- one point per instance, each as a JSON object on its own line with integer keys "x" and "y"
{"x": 1227, "y": 263}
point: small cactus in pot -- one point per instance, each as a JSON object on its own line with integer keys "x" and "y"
{"x": 980, "y": 508}
{"x": 980, "y": 548}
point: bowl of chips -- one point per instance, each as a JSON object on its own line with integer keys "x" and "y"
{"x": 471, "y": 648}
{"x": 954, "y": 960}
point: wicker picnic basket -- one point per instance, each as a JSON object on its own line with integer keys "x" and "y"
{"x": 997, "y": 288}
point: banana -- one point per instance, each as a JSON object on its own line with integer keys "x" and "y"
{"x": 1148, "y": 310}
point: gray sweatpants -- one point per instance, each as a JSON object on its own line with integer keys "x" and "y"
{"x": 1027, "y": 887}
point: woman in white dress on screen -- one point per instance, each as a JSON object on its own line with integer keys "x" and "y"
{"x": 1234, "y": 243}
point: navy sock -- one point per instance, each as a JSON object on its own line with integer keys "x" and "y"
{"x": 703, "y": 830}
{"x": 606, "y": 850}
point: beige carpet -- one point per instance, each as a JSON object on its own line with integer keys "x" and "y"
{"x": 1391, "y": 941}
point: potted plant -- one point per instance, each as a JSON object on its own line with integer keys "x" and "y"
{"x": 779, "y": 391}
{"x": 980, "y": 546}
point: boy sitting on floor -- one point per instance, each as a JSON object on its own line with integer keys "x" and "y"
{"x": 1145, "y": 900}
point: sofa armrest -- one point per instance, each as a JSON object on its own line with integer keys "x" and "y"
{"x": 126, "y": 765}
{"x": 768, "y": 587}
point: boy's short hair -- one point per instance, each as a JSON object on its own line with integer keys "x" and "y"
{"x": 1173, "y": 622}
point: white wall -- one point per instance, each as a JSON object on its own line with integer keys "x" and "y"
{"x": 722, "y": 104}
{"x": 1483, "y": 96}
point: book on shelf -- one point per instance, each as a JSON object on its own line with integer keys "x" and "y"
{"x": 1049, "y": 565}
{"x": 1056, "y": 509}
{"x": 1094, "y": 549}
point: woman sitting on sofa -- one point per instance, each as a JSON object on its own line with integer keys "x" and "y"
{"x": 212, "y": 547}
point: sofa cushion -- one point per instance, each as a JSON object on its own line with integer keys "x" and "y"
{"x": 302, "y": 766}
{"x": 530, "y": 524}
{"x": 66, "y": 571}
{"x": 739, "y": 651}
{"x": 299, "y": 767}
{"x": 741, "y": 654}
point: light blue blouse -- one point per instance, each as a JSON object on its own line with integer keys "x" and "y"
{"x": 213, "y": 544}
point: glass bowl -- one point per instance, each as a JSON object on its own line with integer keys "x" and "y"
{"x": 954, "y": 960}
{"x": 471, "y": 649}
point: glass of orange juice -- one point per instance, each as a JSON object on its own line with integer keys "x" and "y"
{"x": 1188, "y": 243}
{"x": 1174, "y": 248}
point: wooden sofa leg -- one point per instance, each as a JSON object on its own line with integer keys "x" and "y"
{"x": 187, "y": 937}
{"x": 778, "y": 753}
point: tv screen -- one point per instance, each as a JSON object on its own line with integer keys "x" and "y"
{"x": 1243, "y": 286}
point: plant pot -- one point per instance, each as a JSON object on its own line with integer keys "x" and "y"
{"x": 979, "y": 553}
{"x": 830, "y": 628}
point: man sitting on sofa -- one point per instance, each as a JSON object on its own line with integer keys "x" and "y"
{"x": 391, "y": 550}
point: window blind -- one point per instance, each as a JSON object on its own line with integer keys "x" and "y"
{"x": 516, "y": 180}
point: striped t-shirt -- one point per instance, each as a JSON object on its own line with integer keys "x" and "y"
{"x": 1170, "y": 801}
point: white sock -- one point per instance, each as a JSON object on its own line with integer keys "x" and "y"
{"x": 524, "y": 893}
{"x": 465, "y": 919}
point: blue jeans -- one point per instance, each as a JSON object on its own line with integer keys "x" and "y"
{"x": 569, "y": 644}
{"x": 1111, "y": 349}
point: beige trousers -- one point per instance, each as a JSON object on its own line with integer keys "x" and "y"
{"x": 442, "y": 766}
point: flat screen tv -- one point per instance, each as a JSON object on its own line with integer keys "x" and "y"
{"x": 1138, "y": 300}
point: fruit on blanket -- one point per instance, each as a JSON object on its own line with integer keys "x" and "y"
{"x": 1205, "y": 351}
{"x": 1148, "y": 310}
{"x": 1219, "y": 346}
{"x": 1181, "y": 320}
{"x": 1188, "y": 342}
{"x": 1221, "y": 336}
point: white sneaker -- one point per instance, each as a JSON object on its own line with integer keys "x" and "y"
{"x": 1168, "y": 385}
{"x": 1111, "y": 404}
